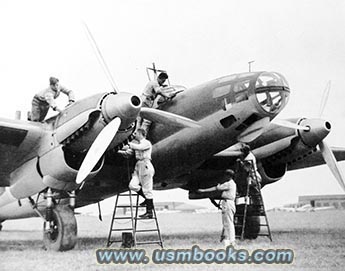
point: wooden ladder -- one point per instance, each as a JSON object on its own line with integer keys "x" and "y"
{"x": 119, "y": 221}
{"x": 255, "y": 201}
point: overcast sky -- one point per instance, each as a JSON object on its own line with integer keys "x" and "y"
{"x": 195, "y": 41}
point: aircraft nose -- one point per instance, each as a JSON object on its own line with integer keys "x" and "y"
{"x": 124, "y": 105}
{"x": 319, "y": 129}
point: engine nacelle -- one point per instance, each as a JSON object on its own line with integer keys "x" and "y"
{"x": 271, "y": 174}
{"x": 58, "y": 174}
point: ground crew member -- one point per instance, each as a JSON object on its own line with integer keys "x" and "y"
{"x": 254, "y": 177}
{"x": 142, "y": 177}
{"x": 249, "y": 156}
{"x": 228, "y": 207}
{"x": 150, "y": 93}
{"x": 46, "y": 98}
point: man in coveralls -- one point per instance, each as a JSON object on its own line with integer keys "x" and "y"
{"x": 152, "y": 90}
{"x": 228, "y": 206}
{"x": 142, "y": 177}
{"x": 46, "y": 98}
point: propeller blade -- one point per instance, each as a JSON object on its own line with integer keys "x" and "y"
{"x": 288, "y": 124}
{"x": 156, "y": 115}
{"x": 97, "y": 149}
{"x": 324, "y": 98}
{"x": 332, "y": 163}
{"x": 100, "y": 58}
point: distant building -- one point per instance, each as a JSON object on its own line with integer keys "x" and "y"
{"x": 338, "y": 201}
{"x": 177, "y": 206}
{"x": 173, "y": 206}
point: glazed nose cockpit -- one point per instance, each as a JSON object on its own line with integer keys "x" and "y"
{"x": 272, "y": 91}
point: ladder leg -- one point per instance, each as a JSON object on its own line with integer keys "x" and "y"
{"x": 133, "y": 204}
{"x": 112, "y": 222}
{"x": 136, "y": 221}
{"x": 158, "y": 230}
{"x": 258, "y": 202}
{"x": 132, "y": 217}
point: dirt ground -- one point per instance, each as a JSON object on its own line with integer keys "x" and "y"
{"x": 317, "y": 239}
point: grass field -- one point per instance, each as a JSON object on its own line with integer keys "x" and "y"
{"x": 317, "y": 238}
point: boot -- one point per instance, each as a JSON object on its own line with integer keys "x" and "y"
{"x": 144, "y": 203}
{"x": 149, "y": 209}
{"x": 141, "y": 193}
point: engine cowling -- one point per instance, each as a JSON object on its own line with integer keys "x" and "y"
{"x": 271, "y": 173}
{"x": 58, "y": 173}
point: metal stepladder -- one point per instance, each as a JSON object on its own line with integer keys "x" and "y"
{"x": 253, "y": 205}
{"x": 132, "y": 219}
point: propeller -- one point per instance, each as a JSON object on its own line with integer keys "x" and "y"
{"x": 329, "y": 158}
{"x": 289, "y": 124}
{"x": 324, "y": 98}
{"x": 100, "y": 58}
{"x": 164, "y": 117}
{"x": 325, "y": 150}
{"x": 97, "y": 149}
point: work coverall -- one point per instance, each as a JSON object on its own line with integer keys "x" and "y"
{"x": 45, "y": 99}
{"x": 251, "y": 157}
{"x": 150, "y": 93}
{"x": 143, "y": 171}
{"x": 228, "y": 209}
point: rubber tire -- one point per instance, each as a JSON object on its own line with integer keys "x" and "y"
{"x": 64, "y": 236}
{"x": 252, "y": 227}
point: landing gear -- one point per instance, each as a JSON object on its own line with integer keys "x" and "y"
{"x": 60, "y": 225}
{"x": 60, "y": 232}
{"x": 0, "y": 226}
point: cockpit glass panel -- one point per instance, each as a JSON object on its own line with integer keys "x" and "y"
{"x": 268, "y": 79}
{"x": 272, "y": 91}
{"x": 241, "y": 90}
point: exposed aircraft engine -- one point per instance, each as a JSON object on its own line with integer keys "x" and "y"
{"x": 90, "y": 122}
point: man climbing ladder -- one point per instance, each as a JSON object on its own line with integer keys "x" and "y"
{"x": 142, "y": 177}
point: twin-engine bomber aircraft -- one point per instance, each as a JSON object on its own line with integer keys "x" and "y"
{"x": 46, "y": 166}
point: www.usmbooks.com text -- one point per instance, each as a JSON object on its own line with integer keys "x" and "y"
{"x": 195, "y": 255}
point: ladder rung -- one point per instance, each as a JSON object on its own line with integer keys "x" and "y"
{"x": 124, "y": 229}
{"x": 114, "y": 241}
{"x": 133, "y": 204}
{"x": 149, "y": 242}
{"x": 140, "y": 218}
{"x": 127, "y": 195}
{"x": 146, "y": 230}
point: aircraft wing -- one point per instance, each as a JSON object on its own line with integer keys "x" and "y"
{"x": 18, "y": 141}
{"x": 225, "y": 158}
{"x": 316, "y": 159}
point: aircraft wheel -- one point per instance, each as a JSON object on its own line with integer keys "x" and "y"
{"x": 252, "y": 227}
{"x": 62, "y": 234}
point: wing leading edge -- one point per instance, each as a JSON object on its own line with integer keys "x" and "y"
{"x": 18, "y": 143}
